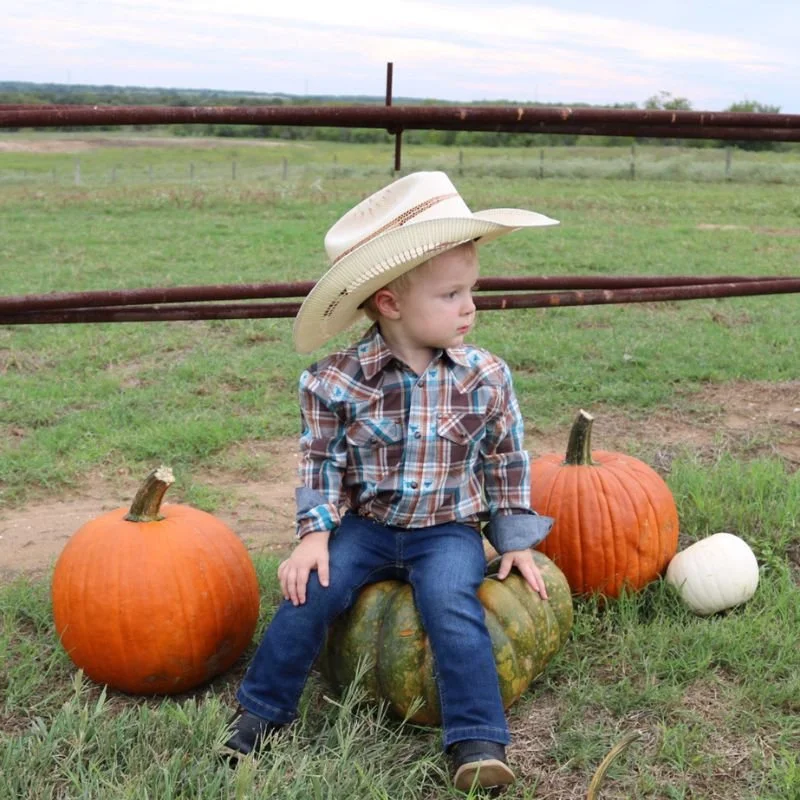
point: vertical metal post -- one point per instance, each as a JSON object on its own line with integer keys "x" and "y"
{"x": 389, "y": 73}
{"x": 398, "y": 132}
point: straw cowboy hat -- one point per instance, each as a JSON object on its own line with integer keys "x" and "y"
{"x": 386, "y": 235}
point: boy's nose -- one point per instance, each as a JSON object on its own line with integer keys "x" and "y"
{"x": 469, "y": 305}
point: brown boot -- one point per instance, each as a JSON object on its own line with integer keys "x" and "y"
{"x": 479, "y": 763}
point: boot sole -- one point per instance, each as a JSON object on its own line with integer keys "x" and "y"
{"x": 487, "y": 774}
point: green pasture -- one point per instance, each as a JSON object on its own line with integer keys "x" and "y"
{"x": 715, "y": 700}
{"x": 150, "y": 158}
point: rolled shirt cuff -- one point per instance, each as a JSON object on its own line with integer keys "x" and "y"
{"x": 314, "y": 512}
{"x": 517, "y": 531}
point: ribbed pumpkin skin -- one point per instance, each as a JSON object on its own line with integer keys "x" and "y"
{"x": 616, "y": 523}
{"x": 383, "y": 626}
{"x": 155, "y": 607}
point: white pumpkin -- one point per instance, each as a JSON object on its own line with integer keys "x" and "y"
{"x": 716, "y": 573}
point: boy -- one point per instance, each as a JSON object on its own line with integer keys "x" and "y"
{"x": 418, "y": 438}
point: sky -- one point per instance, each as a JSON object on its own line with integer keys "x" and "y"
{"x": 712, "y": 52}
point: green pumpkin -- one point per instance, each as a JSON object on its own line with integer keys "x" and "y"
{"x": 384, "y": 627}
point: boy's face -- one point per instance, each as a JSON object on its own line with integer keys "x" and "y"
{"x": 436, "y": 309}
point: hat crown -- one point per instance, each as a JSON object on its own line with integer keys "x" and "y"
{"x": 417, "y": 197}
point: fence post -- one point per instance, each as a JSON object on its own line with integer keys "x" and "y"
{"x": 633, "y": 161}
{"x": 285, "y": 173}
{"x": 460, "y": 162}
{"x": 728, "y": 151}
{"x": 541, "y": 163}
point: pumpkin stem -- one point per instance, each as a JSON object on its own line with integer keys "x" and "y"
{"x": 579, "y": 447}
{"x": 147, "y": 503}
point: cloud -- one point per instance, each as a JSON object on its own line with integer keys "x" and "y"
{"x": 440, "y": 49}
{"x": 499, "y": 24}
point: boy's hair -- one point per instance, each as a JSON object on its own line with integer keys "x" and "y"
{"x": 398, "y": 285}
{"x": 402, "y": 282}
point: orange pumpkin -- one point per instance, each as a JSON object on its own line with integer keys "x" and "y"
{"x": 616, "y": 524}
{"x": 154, "y": 601}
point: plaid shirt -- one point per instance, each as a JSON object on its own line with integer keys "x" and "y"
{"x": 415, "y": 450}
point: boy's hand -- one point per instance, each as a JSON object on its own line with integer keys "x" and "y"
{"x": 523, "y": 561}
{"x": 310, "y": 554}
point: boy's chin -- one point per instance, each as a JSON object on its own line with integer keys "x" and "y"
{"x": 455, "y": 341}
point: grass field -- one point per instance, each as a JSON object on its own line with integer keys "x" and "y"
{"x": 136, "y": 158}
{"x": 715, "y": 700}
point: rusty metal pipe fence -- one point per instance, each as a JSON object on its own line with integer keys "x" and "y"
{"x": 522, "y": 119}
{"x": 202, "y": 302}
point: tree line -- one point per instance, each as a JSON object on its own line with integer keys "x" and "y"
{"x": 15, "y": 92}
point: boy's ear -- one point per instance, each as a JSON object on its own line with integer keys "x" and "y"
{"x": 385, "y": 301}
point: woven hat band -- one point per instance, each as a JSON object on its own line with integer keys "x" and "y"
{"x": 409, "y": 215}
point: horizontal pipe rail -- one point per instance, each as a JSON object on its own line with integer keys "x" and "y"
{"x": 257, "y": 291}
{"x": 205, "y": 311}
{"x": 378, "y": 116}
{"x": 513, "y": 119}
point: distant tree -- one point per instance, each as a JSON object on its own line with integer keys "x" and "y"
{"x": 753, "y": 106}
{"x": 664, "y": 101}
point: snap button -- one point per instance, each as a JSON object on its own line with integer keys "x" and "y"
{"x": 413, "y": 484}
{"x": 417, "y": 435}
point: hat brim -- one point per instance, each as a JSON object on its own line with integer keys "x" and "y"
{"x": 333, "y": 304}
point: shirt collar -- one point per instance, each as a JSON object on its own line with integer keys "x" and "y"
{"x": 374, "y": 354}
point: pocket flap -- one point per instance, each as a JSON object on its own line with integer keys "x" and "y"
{"x": 461, "y": 428}
{"x": 365, "y": 432}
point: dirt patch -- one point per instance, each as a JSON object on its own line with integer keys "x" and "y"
{"x": 710, "y": 226}
{"x": 85, "y": 144}
{"x": 260, "y": 511}
{"x": 754, "y": 419}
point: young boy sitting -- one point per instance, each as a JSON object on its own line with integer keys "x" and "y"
{"x": 411, "y": 440}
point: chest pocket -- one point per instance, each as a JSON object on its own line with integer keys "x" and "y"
{"x": 463, "y": 434}
{"x": 373, "y": 433}
{"x": 376, "y": 450}
{"x": 461, "y": 428}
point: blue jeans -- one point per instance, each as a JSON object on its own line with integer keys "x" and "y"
{"x": 445, "y": 565}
